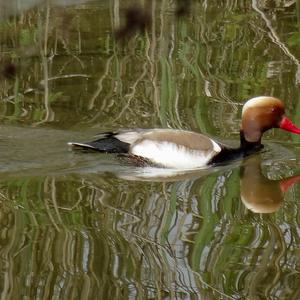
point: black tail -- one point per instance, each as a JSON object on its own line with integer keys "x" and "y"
{"x": 106, "y": 144}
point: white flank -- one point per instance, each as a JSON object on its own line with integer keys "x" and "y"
{"x": 171, "y": 155}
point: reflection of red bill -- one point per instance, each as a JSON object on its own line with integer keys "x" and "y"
{"x": 286, "y": 183}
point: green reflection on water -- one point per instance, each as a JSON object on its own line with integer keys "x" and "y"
{"x": 70, "y": 227}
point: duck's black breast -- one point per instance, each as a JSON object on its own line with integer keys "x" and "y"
{"x": 227, "y": 154}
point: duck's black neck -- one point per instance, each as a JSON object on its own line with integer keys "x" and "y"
{"x": 246, "y": 148}
{"x": 246, "y": 145}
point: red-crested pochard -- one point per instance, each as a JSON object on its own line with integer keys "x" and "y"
{"x": 180, "y": 149}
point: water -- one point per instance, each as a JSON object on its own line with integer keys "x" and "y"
{"x": 89, "y": 226}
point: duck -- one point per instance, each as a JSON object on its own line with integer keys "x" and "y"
{"x": 183, "y": 149}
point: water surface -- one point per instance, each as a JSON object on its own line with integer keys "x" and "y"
{"x": 87, "y": 226}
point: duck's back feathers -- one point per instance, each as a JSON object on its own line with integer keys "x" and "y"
{"x": 164, "y": 147}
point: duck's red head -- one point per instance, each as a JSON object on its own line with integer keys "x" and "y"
{"x": 262, "y": 113}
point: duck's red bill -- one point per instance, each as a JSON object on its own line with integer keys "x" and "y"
{"x": 288, "y": 125}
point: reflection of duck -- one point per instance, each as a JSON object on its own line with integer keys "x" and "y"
{"x": 258, "y": 193}
{"x": 184, "y": 149}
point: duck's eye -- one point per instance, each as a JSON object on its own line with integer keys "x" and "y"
{"x": 273, "y": 109}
